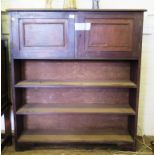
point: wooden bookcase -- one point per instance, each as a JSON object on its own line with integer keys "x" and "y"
{"x": 75, "y": 76}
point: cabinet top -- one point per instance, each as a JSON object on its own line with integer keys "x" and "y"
{"x": 75, "y": 10}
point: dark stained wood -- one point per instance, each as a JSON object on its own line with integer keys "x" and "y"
{"x": 127, "y": 147}
{"x": 96, "y": 97}
{"x": 133, "y": 121}
{"x": 44, "y": 34}
{"x": 5, "y": 93}
{"x": 53, "y": 33}
{"x": 7, "y": 139}
{"x": 104, "y": 137}
{"x": 111, "y": 35}
{"x": 74, "y": 70}
{"x": 76, "y": 122}
{"x": 49, "y": 109}
{"x": 19, "y": 126}
{"x": 48, "y": 84}
{"x": 43, "y": 37}
{"x": 85, "y": 82}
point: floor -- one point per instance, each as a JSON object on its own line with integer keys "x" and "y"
{"x": 141, "y": 150}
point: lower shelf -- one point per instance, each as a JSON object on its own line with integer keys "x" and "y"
{"x": 55, "y": 137}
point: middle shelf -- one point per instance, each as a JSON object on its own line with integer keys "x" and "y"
{"x": 119, "y": 84}
{"x": 49, "y": 109}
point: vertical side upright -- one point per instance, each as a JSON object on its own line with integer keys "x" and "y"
{"x": 135, "y": 76}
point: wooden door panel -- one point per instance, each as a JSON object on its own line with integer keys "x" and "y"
{"x": 109, "y": 35}
{"x": 112, "y": 35}
{"x": 44, "y": 36}
{"x": 51, "y": 35}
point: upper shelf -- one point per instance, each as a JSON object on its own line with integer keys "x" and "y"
{"x": 73, "y": 10}
{"x": 32, "y": 84}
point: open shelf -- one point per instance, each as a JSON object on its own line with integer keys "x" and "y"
{"x": 49, "y": 109}
{"x": 43, "y": 136}
{"x": 29, "y": 84}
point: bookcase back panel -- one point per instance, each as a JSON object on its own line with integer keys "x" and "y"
{"x": 75, "y": 122}
{"x": 75, "y": 70}
{"x": 77, "y": 96}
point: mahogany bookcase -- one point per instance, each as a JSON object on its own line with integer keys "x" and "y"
{"x": 75, "y": 76}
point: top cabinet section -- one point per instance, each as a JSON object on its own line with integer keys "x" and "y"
{"x": 76, "y": 35}
{"x": 109, "y": 35}
{"x": 42, "y": 35}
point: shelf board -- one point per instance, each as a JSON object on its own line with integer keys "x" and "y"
{"x": 49, "y": 109}
{"x": 40, "y": 136}
{"x": 32, "y": 84}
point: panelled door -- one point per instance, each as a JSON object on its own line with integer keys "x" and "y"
{"x": 43, "y": 35}
{"x": 106, "y": 35}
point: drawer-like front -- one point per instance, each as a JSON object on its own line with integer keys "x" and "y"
{"x": 43, "y": 35}
{"x": 108, "y": 35}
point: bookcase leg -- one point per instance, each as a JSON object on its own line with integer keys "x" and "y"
{"x": 127, "y": 147}
{"x": 8, "y": 126}
{"x": 7, "y": 136}
{"x": 22, "y": 147}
